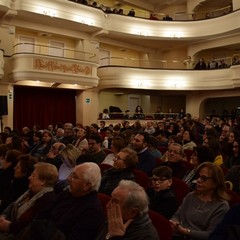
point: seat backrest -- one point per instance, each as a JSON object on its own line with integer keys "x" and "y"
{"x": 234, "y": 198}
{"x": 141, "y": 178}
{"x": 180, "y": 188}
{"x": 104, "y": 199}
{"x": 104, "y": 166}
{"x": 162, "y": 225}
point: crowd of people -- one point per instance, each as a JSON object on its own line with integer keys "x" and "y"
{"x": 51, "y": 178}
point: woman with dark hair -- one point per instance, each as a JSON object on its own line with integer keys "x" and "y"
{"x": 202, "y": 209}
{"x": 200, "y": 154}
{"x": 188, "y": 142}
{"x": 215, "y": 146}
{"x": 41, "y": 150}
{"x": 138, "y": 113}
{"x": 20, "y": 182}
{"x": 234, "y": 158}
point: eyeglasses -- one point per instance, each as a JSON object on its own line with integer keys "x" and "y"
{"x": 203, "y": 178}
{"x": 117, "y": 158}
{"x": 159, "y": 180}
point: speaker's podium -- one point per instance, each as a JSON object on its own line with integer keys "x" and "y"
{"x": 3, "y": 109}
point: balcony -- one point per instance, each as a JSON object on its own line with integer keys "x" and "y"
{"x": 32, "y": 65}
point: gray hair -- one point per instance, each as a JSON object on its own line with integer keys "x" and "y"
{"x": 92, "y": 174}
{"x": 136, "y": 197}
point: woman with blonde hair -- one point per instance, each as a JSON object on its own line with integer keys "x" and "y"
{"x": 69, "y": 156}
{"x": 203, "y": 208}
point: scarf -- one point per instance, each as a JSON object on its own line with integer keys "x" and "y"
{"x": 26, "y": 201}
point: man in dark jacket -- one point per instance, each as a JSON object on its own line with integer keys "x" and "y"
{"x": 128, "y": 214}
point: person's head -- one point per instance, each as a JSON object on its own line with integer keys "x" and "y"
{"x": 108, "y": 133}
{"x": 81, "y": 133}
{"x": 211, "y": 181}
{"x": 213, "y": 144}
{"x": 138, "y": 109}
{"x": 47, "y": 136}
{"x": 131, "y": 198}
{"x": 10, "y": 158}
{"x": 60, "y": 132}
{"x": 25, "y": 130}
{"x": 84, "y": 179}
{"x": 94, "y": 142}
{"x": 57, "y": 148}
{"x": 232, "y": 136}
{"x": 161, "y": 178}
{"x": 69, "y": 155}
{"x": 44, "y": 175}
{"x": 236, "y": 146}
{"x": 116, "y": 129}
{"x": 202, "y": 154}
{"x": 152, "y": 143}
{"x": 126, "y": 158}
{"x": 7, "y": 130}
{"x": 175, "y": 152}
{"x": 68, "y": 129}
{"x": 94, "y": 128}
{"x": 187, "y": 135}
{"x": 102, "y": 124}
{"x": 140, "y": 141}
{"x": 117, "y": 144}
{"x": 37, "y": 137}
{"x": 25, "y": 166}
{"x": 174, "y": 139}
{"x": 225, "y": 131}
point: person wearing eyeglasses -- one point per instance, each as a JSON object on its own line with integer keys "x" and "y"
{"x": 175, "y": 155}
{"x": 202, "y": 209}
{"x": 162, "y": 199}
{"x": 123, "y": 164}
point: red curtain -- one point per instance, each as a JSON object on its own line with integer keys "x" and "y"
{"x": 43, "y": 106}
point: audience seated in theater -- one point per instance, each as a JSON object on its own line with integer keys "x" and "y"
{"x": 77, "y": 212}
{"x": 175, "y": 155}
{"x": 102, "y": 129}
{"x": 214, "y": 145}
{"x": 188, "y": 142}
{"x": 106, "y": 144}
{"x": 162, "y": 199}
{"x": 233, "y": 158}
{"x": 125, "y": 161}
{"x": 14, "y": 141}
{"x": 131, "y": 13}
{"x": 200, "y": 154}
{"x": 3, "y": 150}
{"x": 224, "y": 137}
{"x": 69, "y": 156}
{"x": 152, "y": 147}
{"x": 19, "y": 183}
{"x": 229, "y": 227}
{"x": 222, "y": 64}
{"x": 94, "y": 128}
{"x": 150, "y": 128}
{"x": 41, "y": 150}
{"x": 59, "y": 135}
{"x": 167, "y": 18}
{"x": 201, "y": 65}
{"x": 161, "y": 138}
{"x": 138, "y": 113}
{"x": 54, "y": 156}
{"x": 8, "y": 163}
{"x": 105, "y": 114}
{"x": 233, "y": 175}
{"x": 35, "y": 200}
{"x": 95, "y": 152}
{"x": 128, "y": 214}
{"x": 146, "y": 161}
{"x": 158, "y": 114}
{"x": 36, "y": 140}
{"x": 81, "y": 141}
{"x": 204, "y": 208}
{"x": 171, "y": 139}
{"x": 69, "y": 136}
{"x": 117, "y": 144}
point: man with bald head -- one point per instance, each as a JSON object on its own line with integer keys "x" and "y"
{"x": 77, "y": 211}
